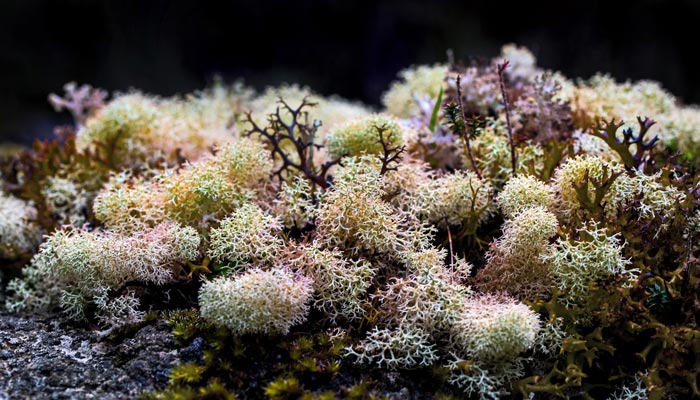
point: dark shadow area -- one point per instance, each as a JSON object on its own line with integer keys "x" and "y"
{"x": 350, "y": 48}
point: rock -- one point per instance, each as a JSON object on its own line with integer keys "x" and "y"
{"x": 194, "y": 353}
{"x": 41, "y": 358}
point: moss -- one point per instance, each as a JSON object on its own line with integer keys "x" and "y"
{"x": 283, "y": 389}
{"x": 214, "y": 390}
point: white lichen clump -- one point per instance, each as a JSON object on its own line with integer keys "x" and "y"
{"x": 18, "y": 229}
{"x": 492, "y": 329}
{"x": 523, "y": 192}
{"x": 596, "y": 256}
{"x": 248, "y": 236}
{"x": 85, "y": 268}
{"x": 258, "y": 301}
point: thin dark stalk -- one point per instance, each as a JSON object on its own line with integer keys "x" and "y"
{"x": 449, "y": 238}
{"x": 390, "y": 154}
{"x": 465, "y": 134}
{"x": 501, "y": 68}
{"x": 301, "y": 134}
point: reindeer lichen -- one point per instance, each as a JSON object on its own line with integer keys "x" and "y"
{"x": 495, "y": 232}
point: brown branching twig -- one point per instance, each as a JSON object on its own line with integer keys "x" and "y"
{"x": 301, "y": 134}
{"x": 389, "y": 154}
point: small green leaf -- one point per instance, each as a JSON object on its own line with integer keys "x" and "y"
{"x": 436, "y": 110}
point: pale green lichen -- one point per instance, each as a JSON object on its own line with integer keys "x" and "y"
{"x": 353, "y": 215}
{"x": 197, "y": 195}
{"x": 416, "y": 86}
{"x": 365, "y": 136}
{"x": 67, "y": 201}
{"x": 294, "y": 205}
{"x": 602, "y": 97}
{"x": 403, "y": 347}
{"x": 135, "y": 129}
{"x": 19, "y": 232}
{"x": 86, "y": 267}
{"x": 340, "y": 285}
{"x": 634, "y": 390}
{"x": 486, "y": 382}
{"x": 128, "y": 204}
{"x": 258, "y": 301}
{"x": 515, "y": 262}
{"x": 128, "y": 125}
{"x": 213, "y": 187}
{"x": 492, "y": 329}
{"x": 487, "y": 342}
{"x": 247, "y": 236}
{"x": 453, "y": 200}
{"x": 522, "y": 192}
{"x": 577, "y": 263}
{"x": 429, "y": 298}
{"x": 681, "y": 129}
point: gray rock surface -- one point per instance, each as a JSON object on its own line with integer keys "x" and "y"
{"x": 45, "y": 358}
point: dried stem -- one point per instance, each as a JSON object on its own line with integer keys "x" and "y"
{"x": 449, "y": 238}
{"x": 301, "y": 134}
{"x": 501, "y": 68}
{"x": 389, "y": 154}
{"x": 465, "y": 135}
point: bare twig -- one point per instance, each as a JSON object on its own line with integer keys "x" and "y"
{"x": 301, "y": 134}
{"x": 460, "y": 125}
{"x": 501, "y": 68}
{"x": 389, "y": 154}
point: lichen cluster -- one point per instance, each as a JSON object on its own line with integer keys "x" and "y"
{"x": 496, "y": 230}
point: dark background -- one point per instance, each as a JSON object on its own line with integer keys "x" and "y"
{"x": 351, "y": 48}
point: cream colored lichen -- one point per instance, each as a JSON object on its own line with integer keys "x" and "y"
{"x": 247, "y": 236}
{"x": 415, "y": 86}
{"x": 259, "y": 301}
{"x": 522, "y": 192}
{"x": 19, "y": 232}
{"x": 514, "y": 262}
